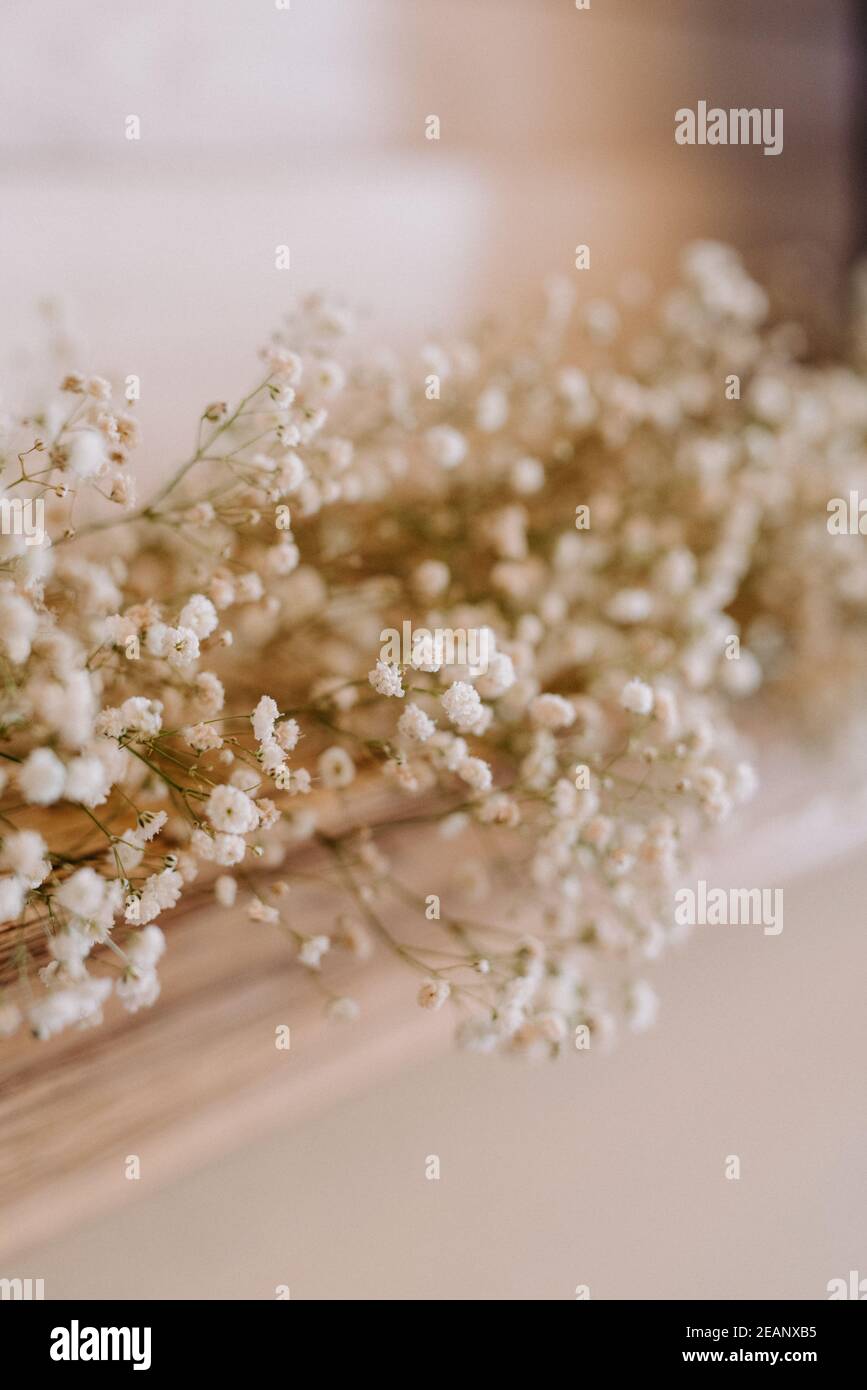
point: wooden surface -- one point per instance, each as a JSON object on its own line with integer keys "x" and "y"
{"x": 199, "y": 1074}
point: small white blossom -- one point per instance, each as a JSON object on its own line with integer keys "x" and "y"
{"x": 138, "y": 989}
{"x": 415, "y": 724}
{"x": 431, "y": 579}
{"x": 335, "y": 767}
{"x": 630, "y": 606}
{"x": 160, "y": 892}
{"x": 87, "y": 781}
{"x": 226, "y": 890}
{"x": 463, "y": 706}
{"x": 209, "y": 689}
{"x": 249, "y": 587}
{"x": 446, "y": 447}
{"x": 146, "y": 948}
{"x": 228, "y": 850}
{"x": 272, "y": 757}
{"x": 200, "y": 615}
{"x": 552, "y": 712}
{"x": 433, "y": 994}
{"x": 17, "y": 626}
{"x": 85, "y": 453}
{"x": 313, "y": 948}
{"x": 10, "y": 1018}
{"x": 385, "y": 679}
{"x": 637, "y": 697}
{"x": 41, "y": 777}
{"x": 287, "y": 734}
{"x": 264, "y": 717}
{"x": 230, "y": 809}
{"x": 258, "y": 911}
{"x": 744, "y": 782}
{"x": 476, "y": 773}
{"x": 203, "y": 737}
{"x": 141, "y": 715}
{"x": 12, "y": 894}
{"x": 61, "y": 1008}
{"x": 344, "y": 1010}
{"x": 158, "y": 639}
{"x": 25, "y": 852}
{"x": 499, "y": 677}
{"x": 82, "y": 893}
{"x": 183, "y": 648}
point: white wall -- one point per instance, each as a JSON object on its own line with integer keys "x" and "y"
{"x": 305, "y": 127}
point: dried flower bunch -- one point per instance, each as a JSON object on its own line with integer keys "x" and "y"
{"x": 641, "y": 543}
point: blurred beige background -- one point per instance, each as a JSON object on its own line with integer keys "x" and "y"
{"x": 306, "y": 127}
{"x": 600, "y": 1170}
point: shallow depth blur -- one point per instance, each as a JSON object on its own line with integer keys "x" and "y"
{"x": 306, "y": 127}
{"x": 608, "y": 1172}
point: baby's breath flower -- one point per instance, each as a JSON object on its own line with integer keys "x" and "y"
{"x": 499, "y": 677}
{"x": 637, "y": 697}
{"x": 12, "y": 893}
{"x": 630, "y": 606}
{"x": 385, "y": 679}
{"x": 287, "y": 734}
{"x": 82, "y": 893}
{"x": 25, "y": 852}
{"x": 142, "y": 715}
{"x": 203, "y": 737}
{"x": 249, "y": 588}
{"x": 313, "y": 948}
{"x": 744, "y": 782}
{"x": 344, "y": 1009}
{"x": 264, "y": 717}
{"x": 41, "y": 777}
{"x": 10, "y": 1018}
{"x": 463, "y": 706}
{"x": 84, "y": 454}
{"x": 87, "y": 781}
{"x": 199, "y": 615}
{"x": 299, "y": 782}
{"x": 446, "y": 447}
{"x": 225, "y": 890}
{"x": 528, "y": 507}
{"x": 138, "y": 989}
{"x": 415, "y": 724}
{"x": 336, "y": 768}
{"x": 228, "y": 850}
{"x": 231, "y": 810}
{"x": 430, "y": 579}
{"x": 262, "y": 912}
{"x": 433, "y": 994}
{"x": 272, "y": 757}
{"x": 210, "y": 692}
{"x": 353, "y": 936}
{"x": 476, "y": 773}
{"x": 552, "y": 712}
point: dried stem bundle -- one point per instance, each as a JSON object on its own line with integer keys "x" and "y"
{"x": 628, "y": 529}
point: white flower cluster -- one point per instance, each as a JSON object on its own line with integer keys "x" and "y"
{"x": 633, "y": 522}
